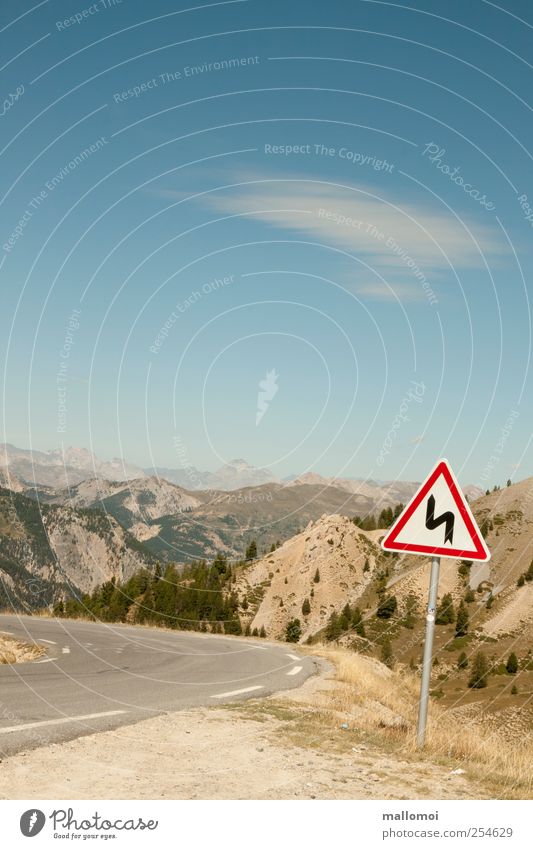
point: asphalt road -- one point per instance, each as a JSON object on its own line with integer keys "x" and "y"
{"x": 98, "y": 676}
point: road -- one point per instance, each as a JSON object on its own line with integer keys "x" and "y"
{"x": 98, "y": 676}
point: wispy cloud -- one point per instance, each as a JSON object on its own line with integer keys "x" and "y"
{"x": 386, "y": 232}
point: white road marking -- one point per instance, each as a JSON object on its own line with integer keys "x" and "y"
{"x": 295, "y": 670}
{"x": 9, "y": 633}
{"x": 51, "y": 642}
{"x": 293, "y": 656}
{"x": 60, "y": 721}
{"x": 65, "y": 650}
{"x": 237, "y": 692}
{"x": 48, "y": 660}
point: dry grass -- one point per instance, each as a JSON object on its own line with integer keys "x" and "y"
{"x": 384, "y": 704}
{"x": 17, "y": 651}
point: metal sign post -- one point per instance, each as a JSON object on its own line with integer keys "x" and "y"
{"x": 428, "y": 651}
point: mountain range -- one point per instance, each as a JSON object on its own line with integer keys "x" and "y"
{"x": 84, "y": 528}
{"x": 66, "y": 467}
{"x": 314, "y": 564}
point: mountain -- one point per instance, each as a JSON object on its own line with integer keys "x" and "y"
{"x": 498, "y": 598}
{"x": 141, "y": 501}
{"x": 346, "y": 558}
{"x": 386, "y": 494}
{"x": 189, "y": 477}
{"x": 62, "y": 468}
{"x": 227, "y": 521}
{"x": 238, "y": 474}
{"x": 233, "y": 475}
{"x": 46, "y": 550}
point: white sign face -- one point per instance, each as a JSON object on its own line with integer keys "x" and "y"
{"x": 438, "y": 521}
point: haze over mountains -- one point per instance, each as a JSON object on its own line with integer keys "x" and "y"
{"x": 60, "y": 468}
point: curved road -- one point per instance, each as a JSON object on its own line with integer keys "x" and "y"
{"x": 98, "y": 676}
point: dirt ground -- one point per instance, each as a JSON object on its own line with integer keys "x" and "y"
{"x": 245, "y": 751}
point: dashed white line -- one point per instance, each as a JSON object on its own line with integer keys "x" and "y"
{"x": 295, "y": 670}
{"x": 65, "y": 650}
{"x": 47, "y": 660}
{"x": 60, "y": 721}
{"x": 237, "y": 692}
{"x": 50, "y": 642}
{"x": 293, "y": 656}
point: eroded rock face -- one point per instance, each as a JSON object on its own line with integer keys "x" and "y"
{"x": 46, "y": 550}
{"x": 335, "y": 547}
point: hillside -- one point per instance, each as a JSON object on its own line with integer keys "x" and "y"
{"x": 47, "y": 550}
{"x": 139, "y": 500}
{"x": 228, "y": 521}
{"x": 497, "y": 600}
{"x": 345, "y": 558}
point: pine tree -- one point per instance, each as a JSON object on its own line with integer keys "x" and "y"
{"x": 357, "y": 622}
{"x": 262, "y": 632}
{"x": 344, "y": 622}
{"x": 316, "y": 579}
{"x": 462, "y": 661}
{"x": 387, "y": 607}
{"x": 411, "y": 609}
{"x": 233, "y": 626}
{"x": 512, "y": 664}
{"x": 445, "y": 611}
{"x": 464, "y": 568}
{"x": 306, "y": 607}
{"x": 255, "y": 632}
{"x": 366, "y": 567}
{"x": 480, "y": 671}
{"x": 356, "y": 616}
{"x": 521, "y": 581}
{"x": 346, "y": 611}
{"x": 387, "y": 656}
{"x": 293, "y": 631}
{"x": 469, "y": 596}
{"x": 333, "y": 629}
{"x": 461, "y": 625}
{"x": 251, "y": 551}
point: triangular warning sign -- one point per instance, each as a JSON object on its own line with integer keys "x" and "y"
{"x": 438, "y": 521}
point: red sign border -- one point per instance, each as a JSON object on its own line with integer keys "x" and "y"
{"x": 481, "y": 552}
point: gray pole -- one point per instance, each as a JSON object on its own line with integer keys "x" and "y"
{"x": 428, "y": 651}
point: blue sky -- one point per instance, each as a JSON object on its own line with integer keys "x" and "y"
{"x": 336, "y": 193}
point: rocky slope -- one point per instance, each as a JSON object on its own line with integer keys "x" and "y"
{"x": 62, "y": 468}
{"x": 140, "y": 500}
{"x": 345, "y": 558}
{"x": 47, "y": 550}
{"x": 498, "y": 597}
